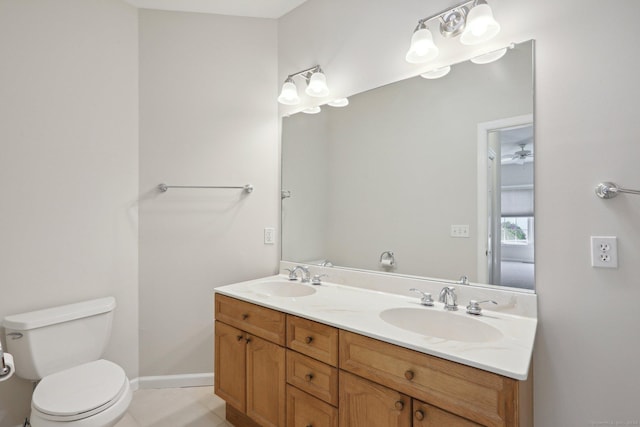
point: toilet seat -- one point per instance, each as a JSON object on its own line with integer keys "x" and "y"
{"x": 80, "y": 392}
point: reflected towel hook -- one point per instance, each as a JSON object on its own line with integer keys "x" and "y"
{"x": 608, "y": 190}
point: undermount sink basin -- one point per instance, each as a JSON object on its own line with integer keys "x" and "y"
{"x": 441, "y": 324}
{"x": 282, "y": 288}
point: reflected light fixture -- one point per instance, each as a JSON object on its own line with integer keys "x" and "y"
{"x": 312, "y": 110}
{"x": 340, "y": 102}
{"x": 316, "y": 86}
{"x": 492, "y": 56}
{"x": 437, "y": 73}
{"x": 472, "y": 20}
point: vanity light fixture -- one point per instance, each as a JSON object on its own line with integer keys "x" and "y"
{"x": 312, "y": 110}
{"x": 492, "y": 56}
{"x": 316, "y": 86}
{"x": 472, "y": 20}
{"x": 340, "y": 102}
{"x": 437, "y": 73}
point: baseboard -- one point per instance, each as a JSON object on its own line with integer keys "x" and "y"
{"x": 173, "y": 381}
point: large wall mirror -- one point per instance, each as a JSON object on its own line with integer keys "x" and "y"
{"x": 438, "y": 173}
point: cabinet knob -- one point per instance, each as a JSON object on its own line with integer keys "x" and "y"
{"x": 308, "y": 340}
{"x": 409, "y": 375}
{"x": 239, "y": 337}
{"x": 309, "y": 425}
{"x": 247, "y": 340}
{"x": 419, "y": 414}
{"x": 399, "y": 405}
{"x": 245, "y": 316}
{"x": 308, "y": 377}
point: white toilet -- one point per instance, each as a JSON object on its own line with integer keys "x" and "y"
{"x": 61, "y": 348}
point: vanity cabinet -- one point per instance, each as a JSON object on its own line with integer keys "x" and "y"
{"x": 250, "y": 360}
{"x": 275, "y": 369}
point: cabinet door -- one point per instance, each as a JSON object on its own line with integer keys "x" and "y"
{"x": 230, "y": 371}
{"x": 304, "y": 410}
{"x": 265, "y": 382}
{"x": 425, "y": 415}
{"x": 366, "y": 404}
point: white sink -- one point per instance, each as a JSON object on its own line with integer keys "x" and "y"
{"x": 433, "y": 322}
{"x": 282, "y": 288}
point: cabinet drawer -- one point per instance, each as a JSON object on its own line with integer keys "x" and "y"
{"x": 481, "y": 396}
{"x": 304, "y": 410}
{"x": 425, "y": 415}
{"x": 313, "y": 339}
{"x": 260, "y": 321}
{"x": 312, "y": 376}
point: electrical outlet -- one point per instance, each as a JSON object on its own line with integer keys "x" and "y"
{"x": 460, "y": 231}
{"x": 604, "y": 252}
{"x": 269, "y": 235}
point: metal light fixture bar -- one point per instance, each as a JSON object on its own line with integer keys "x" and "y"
{"x": 306, "y": 74}
{"x": 452, "y": 19}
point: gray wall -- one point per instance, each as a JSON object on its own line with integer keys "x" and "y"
{"x": 207, "y": 117}
{"x": 68, "y": 167}
{"x": 588, "y": 346}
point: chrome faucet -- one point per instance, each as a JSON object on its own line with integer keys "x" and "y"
{"x": 305, "y": 276}
{"x": 448, "y": 297}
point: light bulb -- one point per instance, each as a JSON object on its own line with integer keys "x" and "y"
{"x": 437, "y": 73}
{"x": 317, "y": 85}
{"x": 481, "y": 26}
{"x": 422, "y": 47}
{"x": 289, "y": 93}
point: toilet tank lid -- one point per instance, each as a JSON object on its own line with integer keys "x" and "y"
{"x": 59, "y": 314}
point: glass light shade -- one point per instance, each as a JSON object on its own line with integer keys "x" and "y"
{"x": 340, "y": 102}
{"x": 481, "y": 26}
{"x": 422, "y": 47}
{"x": 489, "y": 57}
{"x": 312, "y": 110}
{"x": 437, "y": 73}
{"x": 289, "y": 94}
{"x": 317, "y": 85}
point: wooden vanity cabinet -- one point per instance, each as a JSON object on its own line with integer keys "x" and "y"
{"x": 250, "y": 369}
{"x": 277, "y": 370}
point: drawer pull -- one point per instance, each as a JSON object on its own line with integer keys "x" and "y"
{"x": 308, "y": 340}
{"x": 309, "y": 425}
{"x": 409, "y": 375}
{"x": 245, "y": 316}
{"x": 308, "y": 377}
{"x": 419, "y": 415}
{"x": 399, "y": 405}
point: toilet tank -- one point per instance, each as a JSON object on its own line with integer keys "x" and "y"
{"x": 47, "y": 341}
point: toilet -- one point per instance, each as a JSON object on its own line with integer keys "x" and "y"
{"x": 60, "y": 348}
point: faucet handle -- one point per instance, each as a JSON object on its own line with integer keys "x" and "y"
{"x": 426, "y": 297}
{"x": 317, "y": 279}
{"x": 292, "y": 273}
{"x": 474, "y": 306}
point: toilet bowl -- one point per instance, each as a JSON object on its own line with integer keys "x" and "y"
{"x": 94, "y": 394}
{"x": 60, "y": 348}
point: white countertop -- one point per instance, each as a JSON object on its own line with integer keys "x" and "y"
{"x": 358, "y": 310}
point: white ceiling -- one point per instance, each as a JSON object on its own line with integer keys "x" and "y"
{"x": 251, "y": 8}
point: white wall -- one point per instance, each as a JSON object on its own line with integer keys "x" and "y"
{"x": 68, "y": 166}
{"x": 588, "y": 348}
{"x": 208, "y": 116}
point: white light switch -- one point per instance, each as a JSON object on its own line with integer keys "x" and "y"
{"x": 269, "y": 235}
{"x": 604, "y": 252}
{"x": 460, "y": 230}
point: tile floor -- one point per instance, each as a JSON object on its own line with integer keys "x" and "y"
{"x": 175, "y": 407}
